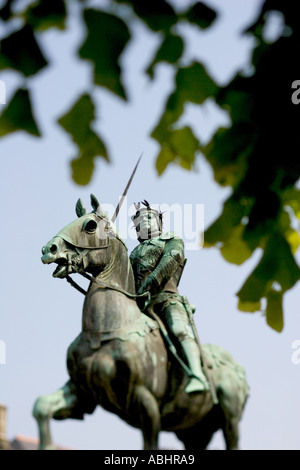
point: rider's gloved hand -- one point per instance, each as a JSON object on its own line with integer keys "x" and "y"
{"x": 149, "y": 285}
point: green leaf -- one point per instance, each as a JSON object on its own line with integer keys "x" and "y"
{"x": 200, "y": 14}
{"x": 293, "y": 239}
{"x": 43, "y": 14}
{"x": 235, "y": 249}
{"x": 255, "y": 287}
{"x": 274, "y": 311}
{"x": 17, "y": 116}
{"x": 276, "y": 265}
{"x": 228, "y": 153}
{"x": 5, "y": 11}
{"x": 263, "y": 217}
{"x": 237, "y": 99}
{"x": 291, "y": 198}
{"x": 77, "y": 122}
{"x": 287, "y": 272}
{"x": 291, "y": 235}
{"x": 105, "y": 42}
{"x": 250, "y": 307}
{"x": 20, "y": 51}
{"x": 181, "y": 149}
{"x": 184, "y": 145}
{"x": 82, "y": 169}
{"x": 192, "y": 85}
{"x": 164, "y": 157}
{"x": 230, "y": 219}
{"x": 157, "y": 14}
{"x": 170, "y": 51}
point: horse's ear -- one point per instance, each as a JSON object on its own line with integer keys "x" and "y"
{"x": 94, "y": 202}
{"x": 97, "y": 207}
{"x": 80, "y": 210}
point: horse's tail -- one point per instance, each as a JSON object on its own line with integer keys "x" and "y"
{"x": 218, "y": 359}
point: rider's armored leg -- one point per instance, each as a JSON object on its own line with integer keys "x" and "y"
{"x": 175, "y": 317}
{"x": 192, "y": 354}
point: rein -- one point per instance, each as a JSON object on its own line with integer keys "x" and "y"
{"x": 101, "y": 284}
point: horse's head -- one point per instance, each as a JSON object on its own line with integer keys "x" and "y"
{"x": 69, "y": 248}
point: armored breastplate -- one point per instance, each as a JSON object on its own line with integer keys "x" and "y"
{"x": 145, "y": 258}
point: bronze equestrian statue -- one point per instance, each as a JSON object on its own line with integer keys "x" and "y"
{"x": 121, "y": 360}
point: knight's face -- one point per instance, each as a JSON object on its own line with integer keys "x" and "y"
{"x": 147, "y": 225}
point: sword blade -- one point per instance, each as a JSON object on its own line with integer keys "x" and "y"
{"x": 125, "y": 191}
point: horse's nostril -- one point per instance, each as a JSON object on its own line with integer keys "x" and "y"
{"x": 53, "y": 248}
{"x": 43, "y": 250}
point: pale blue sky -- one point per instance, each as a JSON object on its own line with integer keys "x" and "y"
{"x": 41, "y": 315}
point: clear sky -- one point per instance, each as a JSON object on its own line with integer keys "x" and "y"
{"x": 40, "y": 316}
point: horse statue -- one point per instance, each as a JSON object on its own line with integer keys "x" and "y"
{"x": 120, "y": 359}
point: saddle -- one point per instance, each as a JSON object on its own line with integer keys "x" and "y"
{"x": 142, "y": 326}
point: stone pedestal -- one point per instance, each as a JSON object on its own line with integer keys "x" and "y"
{"x": 4, "y": 444}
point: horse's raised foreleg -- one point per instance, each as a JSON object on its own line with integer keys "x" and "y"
{"x": 147, "y": 410}
{"x": 61, "y": 403}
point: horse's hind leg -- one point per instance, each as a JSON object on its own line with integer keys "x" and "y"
{"x": 147, "y": 414}
{"x": 61, "y": 404}
{"x": 231, "y": 433}
{"x": 199, "y": 436}
{"x": 232, "y": 407}
{"x": 195, "y": 438}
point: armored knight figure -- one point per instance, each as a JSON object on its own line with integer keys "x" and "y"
{"x": 157, "y": 263}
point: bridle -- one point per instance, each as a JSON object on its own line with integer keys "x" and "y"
{"x": 103, "y": 285}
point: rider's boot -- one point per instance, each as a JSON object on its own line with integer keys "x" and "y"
{"x": 192, "y": 354}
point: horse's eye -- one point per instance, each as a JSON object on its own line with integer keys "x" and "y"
{"x": 89, "y": 226}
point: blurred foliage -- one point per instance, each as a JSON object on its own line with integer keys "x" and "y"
{"x": 257, "y": 156}
{"x": 77, "y": 122}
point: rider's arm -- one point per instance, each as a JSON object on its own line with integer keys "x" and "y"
{"x": 172, "y": 258}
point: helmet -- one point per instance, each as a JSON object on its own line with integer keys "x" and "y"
{"x": 141, "y": 211}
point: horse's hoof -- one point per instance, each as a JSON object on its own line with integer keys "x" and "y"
{"x": 196, "y": 386}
